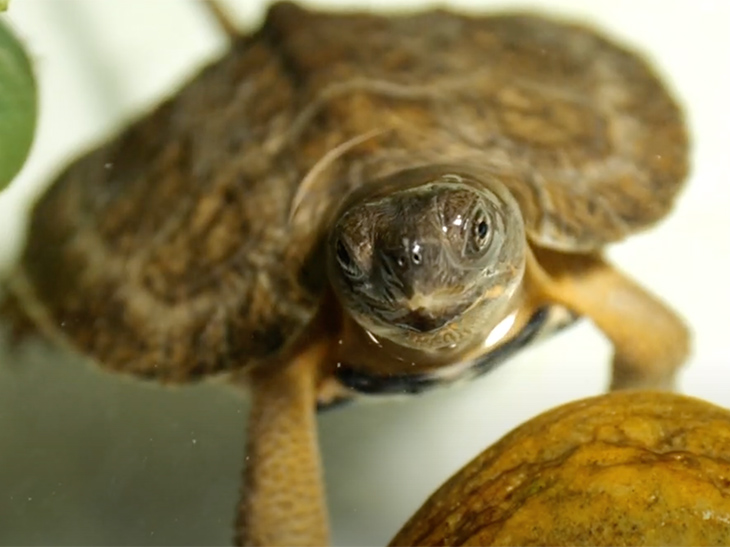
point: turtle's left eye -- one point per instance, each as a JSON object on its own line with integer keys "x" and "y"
{"x": 479, "y": 232}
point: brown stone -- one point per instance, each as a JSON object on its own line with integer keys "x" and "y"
{"x": 631, "y": 468}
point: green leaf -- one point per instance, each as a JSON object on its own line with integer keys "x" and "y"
{"x": 4, "y": 5}
{"x": 18, "y": 105}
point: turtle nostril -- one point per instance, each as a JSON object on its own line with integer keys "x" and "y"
{"x": 405, "y": 260}
{"x": 394, "y": 263}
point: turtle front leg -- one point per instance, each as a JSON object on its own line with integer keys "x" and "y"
{"x": 650, "y": 341}
{"x": 283, "y": 500}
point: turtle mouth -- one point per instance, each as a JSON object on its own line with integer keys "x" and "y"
{"x": 421, "y": 319}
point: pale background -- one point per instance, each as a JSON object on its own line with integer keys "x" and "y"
{"x": 91, "y": 458}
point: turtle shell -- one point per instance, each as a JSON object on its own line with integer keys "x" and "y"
{"x": 192, "y": 243}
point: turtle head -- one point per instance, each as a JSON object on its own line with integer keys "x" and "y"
{"x": 429, "y": 257}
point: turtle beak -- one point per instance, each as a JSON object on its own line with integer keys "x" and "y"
{"x": 427, "y": 313}
{"x": 422, "y": 320}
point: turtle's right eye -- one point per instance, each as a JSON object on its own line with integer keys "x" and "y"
{"x": 345, "y": 260}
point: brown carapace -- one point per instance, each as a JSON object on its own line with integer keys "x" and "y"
{"x": 352, "y": 203}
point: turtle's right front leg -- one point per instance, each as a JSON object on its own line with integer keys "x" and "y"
{"x": 283, "y": 501}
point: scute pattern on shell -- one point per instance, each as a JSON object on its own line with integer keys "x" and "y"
{"x": 581, "y": 130}
{"x": 166, "y": 252}
{"x": 172, "y": 252}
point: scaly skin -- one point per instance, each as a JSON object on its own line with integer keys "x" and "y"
{"x": 650, "y": 340}
{"x": 283, "y": 499}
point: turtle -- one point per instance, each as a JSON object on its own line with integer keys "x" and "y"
{"x": 348, "y": 203}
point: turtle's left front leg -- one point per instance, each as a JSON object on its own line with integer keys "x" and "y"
{"x": 650, "y": 341}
